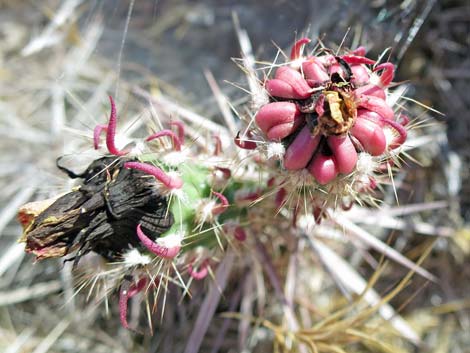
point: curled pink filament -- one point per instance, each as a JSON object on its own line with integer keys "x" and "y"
{"x": 220, "y": 208}
{"x": 387, "y": 74}
{"x": 403, "y": 119}
{"x": 246, "y": 145}
{"x": 297, "y": 48}
{"x": 159, "y": 250}
{"x": 180, "y": 130}
{"x": 127, "y": 291}
{"x": 201, "y": 272}
{"x": 171, "y": 182}
{"x": 163, "y": 133}
{"x": 96, "y": 134}
{"x": 402, "y": 134}
{"x": 111, "y": 131}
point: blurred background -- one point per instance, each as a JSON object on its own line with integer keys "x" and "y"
{"x": 59, "y": 60}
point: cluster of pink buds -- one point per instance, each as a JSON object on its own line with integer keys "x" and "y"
{"x": 327, "y": 109}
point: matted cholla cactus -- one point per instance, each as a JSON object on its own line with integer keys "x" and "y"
{"x": 323, "y": 137}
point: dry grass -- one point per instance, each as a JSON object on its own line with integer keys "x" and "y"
{"x": 60, "y": 59}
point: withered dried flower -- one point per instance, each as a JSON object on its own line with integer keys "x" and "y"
{"x": 100, "y": 215}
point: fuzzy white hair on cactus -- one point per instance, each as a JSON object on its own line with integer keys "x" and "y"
{"x": 134, "y": 258}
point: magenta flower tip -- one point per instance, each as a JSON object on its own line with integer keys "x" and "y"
{"x": 159, "y": 250}
{"x": 244, "y": 144}
{"x": 180, "y": 130}
{"x": 96, "y": 135}
{"x": 297, "y": 48}
{"x": 111, "y": 131}
{"x": 387, "y": 74}
{"x": 222, "y": 207}
{"x": 200, "y": 273}
{"x": 128, "y": 291}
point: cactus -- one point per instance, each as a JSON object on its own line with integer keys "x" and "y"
{"x": 323, "y": 137}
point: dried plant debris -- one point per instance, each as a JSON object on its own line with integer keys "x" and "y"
{"x": 100, "y": 215}
{"x": 175, "y": 251}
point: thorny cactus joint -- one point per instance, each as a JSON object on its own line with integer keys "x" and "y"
{"x": 327, "y": 120}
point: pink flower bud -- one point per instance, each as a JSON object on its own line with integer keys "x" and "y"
{"x": 370, "y": 135}
{"x": 336, "y": 68}
{"x": 301, "y": 150}
{"x": 299, "y": 87}
{"x": 360, "y": 75}
{"x": 377, "y": 105}
{"x": 323, "y": 168}
{"x": 344, "y": 153}
{"x": 369, "y": 115}
{"x": 314, "y": 71}
{"x": 111, "y": 132}
{"x": 326, "y": 60}
{"x": 278, "y": 119}
{"x": 370, "y": 90}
